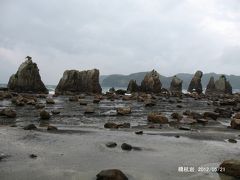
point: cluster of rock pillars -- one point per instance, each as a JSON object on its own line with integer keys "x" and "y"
{"x": 28, "y": 80}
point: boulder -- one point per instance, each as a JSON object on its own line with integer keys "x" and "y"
{"x": 230, "y": 167}
{"x": 177, "y": 116}
{"x": 235, "y": 124}
{"x": 27, "y": 79}
{"x": 176, "y": 85}
{"x": 30, "y": 127}
{"x": 75, "y": 82}
{"x": 157, "y": 118}
{"x": 33, "y": 156}
{"x": 55, "y": 112}
{"x": 44, "y": 115}
{"x": 111, "y": 174}
{"x": 50, "y": 101}
{"x": 149, "y": 102}
{"x": 110, "y": 125}
{"x": 124, "y": 110}
{"x": 232, "y": 140}
{"x": 111, "y": 144}
{"x": 132, "y": 86}
{"x": 31, "y": 102}
{"x": 195, "y": 84}
{"x": 139, "y": 132}
{"x": 39, "y": 106}
{"x": 8, "y": 112}
{"x": 211, "y": 115}
{"x": 185, "y": 128}
{"x": 151, "y": 82}
{"x": 126, "y": 147}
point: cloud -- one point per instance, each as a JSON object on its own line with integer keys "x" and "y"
{"x": 120, "y": 36}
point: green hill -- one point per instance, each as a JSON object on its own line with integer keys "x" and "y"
{"x": 118, "y": 80}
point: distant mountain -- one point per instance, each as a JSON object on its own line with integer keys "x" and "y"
{"x": 118, "y": 80}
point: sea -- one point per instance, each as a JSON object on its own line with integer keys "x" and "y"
{"x": 51, "y": 89}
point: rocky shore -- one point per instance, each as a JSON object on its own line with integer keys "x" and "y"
{"x": 143, "y": 133}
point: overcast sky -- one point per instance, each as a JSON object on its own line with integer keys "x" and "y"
{"x": 120, "y": 36}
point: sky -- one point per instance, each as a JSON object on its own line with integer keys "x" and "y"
{"x": 120, "y": 36}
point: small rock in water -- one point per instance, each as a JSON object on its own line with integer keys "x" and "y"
{"x": 33, "y": 156}
{"x": 3, "y": 156}
{"x": 186, "y": 128}
{"x": 55, "y": 112}
{"x": 177, "y": 136}
{"x": 232, "y": 140}
{"x": 30, "y": 127}
{"x": 44, "y": 114}
{"x": 123, "y": 110}
{"x": 126, "y": 147}
{"x": 139, "y": 132}
{"x": 111, "y": 144}
{"x": 111, "y": 174}
{"x": 110, "y": 125}
{"x": 52, "y": 128}
{"x": 50, "y": 101}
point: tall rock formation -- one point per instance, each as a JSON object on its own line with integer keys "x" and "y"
{"x": 221, "y": 86}
{"x": 151, "y": 82}
{"x": 75, "y": 82}
{"x": 132, "y": 86}
{"x": 176, "y": 85}
{"x": 27, "y": 79}
{"x": 211, "y": 86}
{"x": 195, "y": 84}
